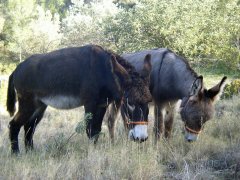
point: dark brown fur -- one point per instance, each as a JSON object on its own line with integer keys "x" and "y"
{"x": 69, "y": 78}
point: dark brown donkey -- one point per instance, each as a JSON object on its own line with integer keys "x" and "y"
{"x": 172, "y": 79}
{"x": 69, "y": 78}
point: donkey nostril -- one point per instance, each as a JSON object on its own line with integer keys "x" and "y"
{"x": 145, "y": 139}
{"x": 142, "y": 139}
{"x": 189, "y": 140}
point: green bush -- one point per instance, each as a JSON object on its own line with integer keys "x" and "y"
{"x": 232, "y": 89}
{"x": 195, "y": 29}
{"x": 7, "y": 67}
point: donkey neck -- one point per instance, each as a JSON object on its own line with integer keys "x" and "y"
{"x": 186, "y": 79}
{"x": 176, "y": 76}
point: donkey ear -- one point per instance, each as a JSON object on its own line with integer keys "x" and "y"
{"x": 197, "y": 86}
{"x": 118, "y": 67}
{"x": 147, "y": 66}
{"x": 217, "y": 90}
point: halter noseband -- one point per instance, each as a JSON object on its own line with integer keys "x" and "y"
{"x": 191, "y": 130}
{"x": 137, "y": 122}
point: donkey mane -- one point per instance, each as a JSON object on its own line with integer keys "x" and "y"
{"x": 187, "y": 65}
{"x": 128, "y": 66}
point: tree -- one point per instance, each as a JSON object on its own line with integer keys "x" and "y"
{"x": 195, "y": 29}
{"x": 83, "y": 23}
{"x": 45, "y": 33}
{"x": 29, "y": 29}
{"x": 56, "y": 6}
{"x": 18, "y": 16}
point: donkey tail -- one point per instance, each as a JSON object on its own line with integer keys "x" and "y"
{"x": 11, "y": 96}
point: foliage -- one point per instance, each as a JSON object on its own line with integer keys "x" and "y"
{"x": 232, "y": 89}
{"x": 45, "y": 32}
{"x": 18, "y": 15}
{"x": 28, "y": 29}
{"x": 56, "y": 6}
{"x": 83, "y": 22}
{"x": 204, "y": 31}
{"x": 6, "y": 67}
{"x": 82, "y": 125}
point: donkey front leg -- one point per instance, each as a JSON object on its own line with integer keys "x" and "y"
{"x": 94, "y": 124}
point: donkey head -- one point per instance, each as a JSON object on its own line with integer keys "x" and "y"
{"x": 198, "y": 107}
{"x": 135, "y": 102}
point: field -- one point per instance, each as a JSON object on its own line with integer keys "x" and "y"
{"x": 206, "y": 33}
{"x": 60, "y": 153}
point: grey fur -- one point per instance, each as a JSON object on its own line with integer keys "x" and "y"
{"x": 172, "y": 79}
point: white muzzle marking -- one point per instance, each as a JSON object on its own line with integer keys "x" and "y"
{"x": 139, "y": 132}
{"x": 190, "y": 136}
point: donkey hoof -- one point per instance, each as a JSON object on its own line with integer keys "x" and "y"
{"x": 15, "y": 151}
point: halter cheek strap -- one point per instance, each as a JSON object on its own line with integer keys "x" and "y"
{"x": 129, "y": 122}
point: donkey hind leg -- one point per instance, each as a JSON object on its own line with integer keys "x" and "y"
{"x": 111, "y": 115}
{"x": 25, "y": 111}
{"x": 30, "y": 126}
{"x": 94, "y": 125}
{"x": 169, "y": 117}
{"x": 158, "y": 123}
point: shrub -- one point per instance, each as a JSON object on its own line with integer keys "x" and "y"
{"x": 232, "y": 89}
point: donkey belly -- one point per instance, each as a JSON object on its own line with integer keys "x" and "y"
{"x": 62, "y": 102}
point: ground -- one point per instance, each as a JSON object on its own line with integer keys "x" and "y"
{"x": 60, "y": 153}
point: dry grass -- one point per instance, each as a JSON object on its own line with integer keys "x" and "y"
{"x": 215, "y": 156}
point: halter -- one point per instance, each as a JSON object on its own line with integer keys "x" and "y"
{"x": 186, "y": 127}
{"x": 191, "y": 130}
{"x": 137, "y": 122}
{"x": 129, "y": 122}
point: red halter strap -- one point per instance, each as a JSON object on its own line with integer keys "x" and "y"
{"x": 192, "y": 131}
{"x": 137, "y": 122}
